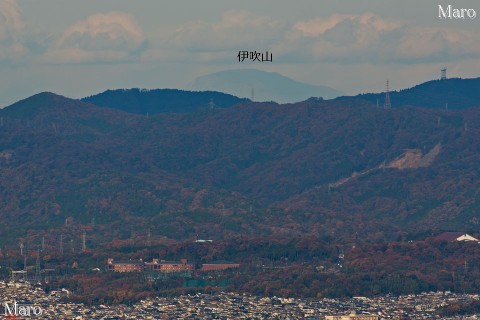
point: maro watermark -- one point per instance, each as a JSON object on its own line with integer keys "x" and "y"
{"x": 449, "y": 12}
{"x": 19, "y": 310}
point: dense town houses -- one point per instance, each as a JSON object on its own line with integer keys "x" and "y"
{"x": 232, "y": 306}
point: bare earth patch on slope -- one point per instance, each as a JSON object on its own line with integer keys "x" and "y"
{"x": 414, "y": 158}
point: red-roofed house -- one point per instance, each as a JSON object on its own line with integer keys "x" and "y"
{"x": 125, "y": 266}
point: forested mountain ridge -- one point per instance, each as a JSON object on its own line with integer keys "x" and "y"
{"x": 255, "y": 168}
{"x": 448, "y": 94}
{"x": 451, "y": 94}
{"x": 142, "y": 101}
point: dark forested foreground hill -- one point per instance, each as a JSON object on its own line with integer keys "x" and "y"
{"x": 325, "y": 168}
{"x": 450, "y": 94}
{"x": 142, "y": 101}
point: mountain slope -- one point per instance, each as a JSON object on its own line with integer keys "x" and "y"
{"x": 256, "y": 168}
{"x": 267, "y": 86}
{"x": 65, "y": 164}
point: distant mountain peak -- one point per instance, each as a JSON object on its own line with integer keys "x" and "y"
{"x": 43, "y": 97}
{"x": 38, "y": 102}
{"x": 266, "y": 86}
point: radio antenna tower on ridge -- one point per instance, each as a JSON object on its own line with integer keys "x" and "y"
{"x": 387, "y": 104}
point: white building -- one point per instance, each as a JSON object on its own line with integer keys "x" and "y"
{"x": 456, "y": 236}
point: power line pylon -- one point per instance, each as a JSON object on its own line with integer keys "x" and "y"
{"x": 387, "y": 104}
{"x": 37, "y": 267}
{"x": 149, "y": 238}
{"x": 84, "y": 244}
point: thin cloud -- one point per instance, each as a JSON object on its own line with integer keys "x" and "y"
{"x": 368, "y": 38}
{"x": 237, "y": 29}
{"x": 11, "y": 30}
{"x": 218, "y": 41}
{"x": 319, "y": 26}
{"x": 109, "y": 37}
{"x": 338, "y": 39}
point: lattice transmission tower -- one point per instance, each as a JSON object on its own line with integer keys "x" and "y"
{"x": 387, "y": 104}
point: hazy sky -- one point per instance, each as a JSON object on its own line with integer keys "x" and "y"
{"x": 78, "y": 48}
